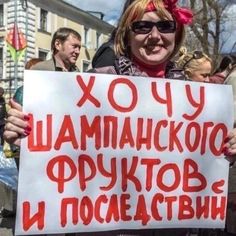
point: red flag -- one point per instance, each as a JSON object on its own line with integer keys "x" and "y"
{"x": 16, "y": 42}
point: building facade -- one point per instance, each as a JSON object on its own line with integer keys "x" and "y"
{"x": 38, "y": 20}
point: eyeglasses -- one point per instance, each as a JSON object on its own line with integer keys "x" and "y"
{"x": 196, "y": 55}
{"x": 145, "y": 27}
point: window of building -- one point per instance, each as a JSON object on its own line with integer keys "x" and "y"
{"x": 85, "y": 65}
{"x": 43, "y": 19}
{"x": 43, "y": 54}
{"x": 1, "y": 15}
{"x": 86, "y": 36}
{"x": 98, "y": 36}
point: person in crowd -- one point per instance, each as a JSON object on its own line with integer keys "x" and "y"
{"x": 231, "y": 80}
{"x": 65, "y": 46}
{"x": 149, "y": 34}
{"x": 196, "y": 65}
{"x": 3, "y": 114}
{"x": 223, "y": 70}
{"x": 105, "y": 55}
{"x": 226, "y": 60}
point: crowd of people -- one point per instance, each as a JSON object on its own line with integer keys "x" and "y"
{"x": 147, "y": 42}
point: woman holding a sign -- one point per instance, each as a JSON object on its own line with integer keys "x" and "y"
{"x": 149, "y": 34}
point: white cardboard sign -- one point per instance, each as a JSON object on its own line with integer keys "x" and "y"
{"x": 116, "y": 152}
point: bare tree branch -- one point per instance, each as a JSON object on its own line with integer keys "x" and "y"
{"x": 207, "y": 29}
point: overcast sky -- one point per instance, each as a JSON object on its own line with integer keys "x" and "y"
{"x": 111, "y": 8}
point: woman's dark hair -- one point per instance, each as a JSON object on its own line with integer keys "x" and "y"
{"x": 62, "y": 34}
{"x": 225, "y": 62}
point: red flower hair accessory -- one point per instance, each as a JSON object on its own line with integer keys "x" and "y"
{"x": 150, "y": 7}
{"x": 182, "y": 15}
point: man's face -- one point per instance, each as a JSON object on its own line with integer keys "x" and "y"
{"x": 69, "y": 51}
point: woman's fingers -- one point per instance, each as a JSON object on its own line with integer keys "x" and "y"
{"x": 15, "y": 105}
{"x": 12, "y": 137}
{"x": 17, "y": 125}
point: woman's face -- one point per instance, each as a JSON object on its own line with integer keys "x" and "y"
{"x": 152, "y": 48}
{"x": 202, "y": 73}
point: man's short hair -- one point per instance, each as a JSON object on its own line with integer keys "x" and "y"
{"x": 62, "y": 34}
